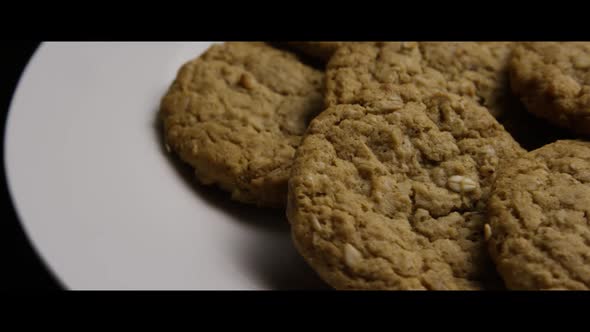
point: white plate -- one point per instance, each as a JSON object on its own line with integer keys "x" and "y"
{"x": 103, "y": 203}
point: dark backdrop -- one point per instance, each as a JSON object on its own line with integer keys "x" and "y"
{"x": 20, "y": 267}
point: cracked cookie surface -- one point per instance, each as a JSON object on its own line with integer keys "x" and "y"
{"x": 359, "y": 73}
{"x": 237, "y": 114}
{"x": 539, "y": 209}
{"x": 553, "y": 81}
{"x": 391, "y": 195}
{"x": 477, "y": 70}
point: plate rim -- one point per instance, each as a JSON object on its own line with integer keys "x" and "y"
{"x": 9, "y": 180}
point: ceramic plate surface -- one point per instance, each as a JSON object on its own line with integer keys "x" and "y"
{"x": 103, "y": 203}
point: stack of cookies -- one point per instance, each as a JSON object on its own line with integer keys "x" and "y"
{"x": 402, "y": 165}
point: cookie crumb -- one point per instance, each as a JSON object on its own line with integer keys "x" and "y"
{"x": 393, "y": 103}
{"x": 316, "y": 224}
{"x": 487, "y": 232}
{"x": 309, "y": 179}
{"x": 489, "y": 151}
{"x": 461, "y": 184}
{"x": 247, "y": 81}
{"x": 351, "y": 255}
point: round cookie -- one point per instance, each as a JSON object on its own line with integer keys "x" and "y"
{"x": 553, "y": 81}
{"x": 391, "y": 196}
{"x": 539, "y": 235}
{"x": 477, "y": 70}
{"x": 237, "y": 114}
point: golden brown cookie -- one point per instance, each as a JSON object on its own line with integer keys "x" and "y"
{"x": 477, "y": 70}
{"x": 237, "y": 114}
{"x": 392, "y": 194}
{"x": 539, "y": 234}
{"x": 553, "y": 81}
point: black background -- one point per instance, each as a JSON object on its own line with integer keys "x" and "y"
{"x": 21, "y": 269}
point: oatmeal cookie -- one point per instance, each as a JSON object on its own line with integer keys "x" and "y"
{"x": 539, "y": 235}
{"x": 477, "y": 70}
{"x": 553, "y": 81}
{"x": 237, "y": 114}
{"x": 392, "y": 194}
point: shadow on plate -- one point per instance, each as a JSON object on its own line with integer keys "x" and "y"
{"x": 275, "y": 260}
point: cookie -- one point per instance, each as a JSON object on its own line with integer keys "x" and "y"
{"x": 237, "y": 114}
{"x": 553, "y": 81}
{"x": 391, "y": 195}
{"x": 477, "y": 70}
{"x": 539, "y": 235}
